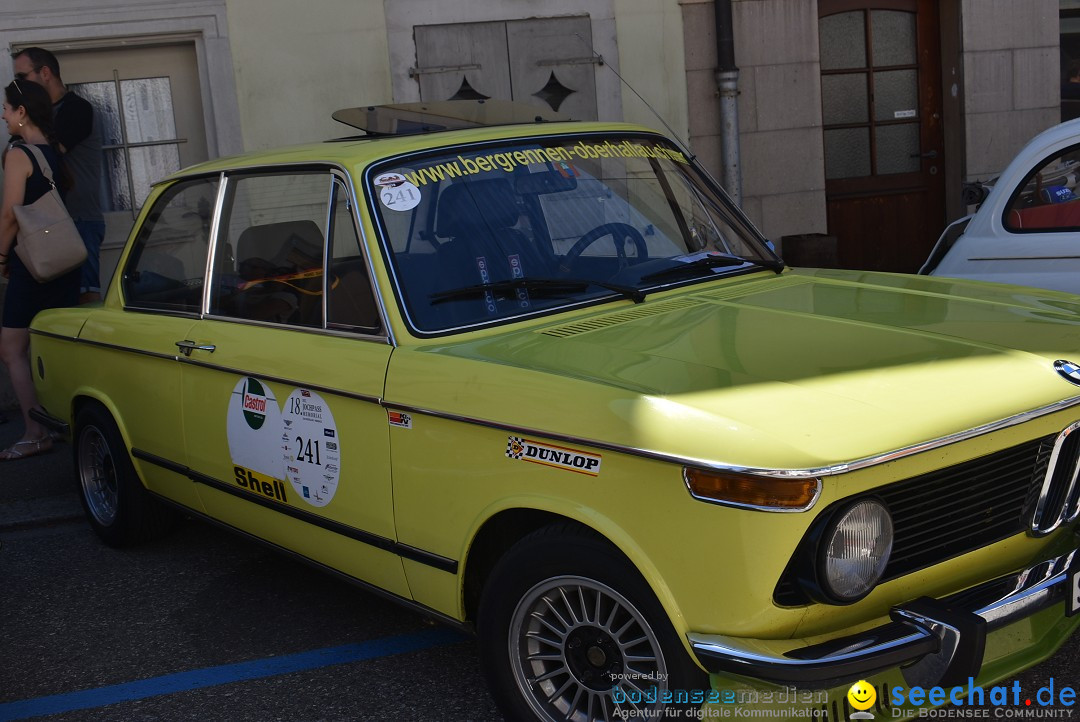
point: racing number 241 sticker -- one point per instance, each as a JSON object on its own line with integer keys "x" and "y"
{"x": 310, "y": 447}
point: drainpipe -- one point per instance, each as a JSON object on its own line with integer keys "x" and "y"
{"x": 727, "y": 82}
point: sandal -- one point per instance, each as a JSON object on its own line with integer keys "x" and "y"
{"x": 27, "y": 448}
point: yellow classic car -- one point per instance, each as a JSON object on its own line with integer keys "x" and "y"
{"x": 542, "y": 380}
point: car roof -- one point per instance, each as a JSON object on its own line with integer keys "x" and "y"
{"x": 355, "y": 153}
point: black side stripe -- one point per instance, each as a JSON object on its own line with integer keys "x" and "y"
{"x": 380, "y": 542}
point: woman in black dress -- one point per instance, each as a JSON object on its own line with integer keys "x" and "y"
{"x": 28, "y": 114}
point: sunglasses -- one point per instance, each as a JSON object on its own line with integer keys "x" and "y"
{"x": 23, "y": 76}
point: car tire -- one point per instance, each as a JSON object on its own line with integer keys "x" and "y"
{"x": 553, "y": 621}
{"x": 118, "y": 507}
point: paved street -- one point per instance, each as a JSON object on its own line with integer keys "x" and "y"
{"x": 201, "y": 625}
{"x": 205, "y": 625}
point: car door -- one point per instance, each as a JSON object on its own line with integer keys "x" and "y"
{"x": 281, "y": 394}
{"x": 135, "y": 363}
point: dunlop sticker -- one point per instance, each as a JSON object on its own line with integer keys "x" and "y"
{"x": 560, "y": 457}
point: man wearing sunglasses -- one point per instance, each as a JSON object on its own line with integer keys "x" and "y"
{"x": 80, "y": 142}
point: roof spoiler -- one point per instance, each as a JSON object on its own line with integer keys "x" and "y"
{"x": 410, "y": 118}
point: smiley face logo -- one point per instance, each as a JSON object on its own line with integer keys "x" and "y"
{"x": 862, "y": 695}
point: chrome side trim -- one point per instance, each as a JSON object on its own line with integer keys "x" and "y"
{"x": 1038, "y": 528}
{"x": 285, "y": 381}
{"x": 224, "y": 369}
{"x": 109, "y": 346}
{"x": 709, "y": 464}
{"x": 715, "y": 465}
{"x": 359, "y": 336}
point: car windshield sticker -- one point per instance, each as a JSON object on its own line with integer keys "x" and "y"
{"x": 507, "y": 162}
{"x": 515, "y": 270}
{"x": 311, "y": 447}
{"x": 396, "y": 192}
{"x": 399, "y": 418}
{"x": 253, "y": 427}
{"x": 560, "y": 457}
{"x": 485, "y": 278}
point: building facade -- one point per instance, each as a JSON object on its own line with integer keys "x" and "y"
{"x": 859, "y": 119}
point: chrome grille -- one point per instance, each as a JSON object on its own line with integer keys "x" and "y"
{"x": 1056, "y": 500}
{"x": 1029, "y": 487}
{"x": 956, "y": 510}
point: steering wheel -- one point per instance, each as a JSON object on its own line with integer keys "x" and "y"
{"x": 619, "y": 232}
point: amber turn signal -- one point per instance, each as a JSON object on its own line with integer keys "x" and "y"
{"x": 764, "y": 492}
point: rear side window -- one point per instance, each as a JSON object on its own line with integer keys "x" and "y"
{"x": 165, "y": 269}
{"x": 1049, "y": 199}
{"x": 268, "y": 265}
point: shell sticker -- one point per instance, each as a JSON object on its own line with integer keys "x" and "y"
{"x": 309, "y": 447}
{"x": 396, "y": 192}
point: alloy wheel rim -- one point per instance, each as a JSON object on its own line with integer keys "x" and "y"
{"x": 97, "y": 474}
{"x": 580, "y": 651}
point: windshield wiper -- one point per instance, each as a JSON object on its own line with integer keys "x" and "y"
{"x": 552, "y": 286}
{"x": 694, "y": 268}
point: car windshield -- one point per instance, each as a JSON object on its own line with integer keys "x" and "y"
{"x": 483, "y": 234}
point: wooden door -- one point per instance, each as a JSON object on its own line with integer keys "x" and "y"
{"x": 881, "y": 111}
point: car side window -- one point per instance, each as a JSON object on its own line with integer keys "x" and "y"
{"x": 166, "y": 267}
{"x": 268, "y": 264}
{"x": 350, "y": 302}
{"x": 1049, "y": 199}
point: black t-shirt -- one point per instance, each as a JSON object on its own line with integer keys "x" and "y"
{"x": 73, "y": 121}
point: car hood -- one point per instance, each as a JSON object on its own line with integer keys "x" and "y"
{"x": 801, "y": 371}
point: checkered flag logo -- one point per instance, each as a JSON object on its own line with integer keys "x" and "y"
{"x": 515, "y": 447}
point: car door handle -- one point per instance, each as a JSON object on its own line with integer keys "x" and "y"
{"x": 186, "y": 347}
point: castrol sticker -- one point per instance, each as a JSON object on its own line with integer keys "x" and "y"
{"x": 310, "y": 447}
{"x": 253, "y": 426}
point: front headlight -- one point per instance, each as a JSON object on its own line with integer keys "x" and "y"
{"x": 855, "y": 549}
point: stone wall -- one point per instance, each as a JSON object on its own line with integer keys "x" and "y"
{"x": 781, "y": 146}
{"x": 1011, "y": 83}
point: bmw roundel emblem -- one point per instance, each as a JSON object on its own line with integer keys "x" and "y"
{"x": 1069, "y": 370}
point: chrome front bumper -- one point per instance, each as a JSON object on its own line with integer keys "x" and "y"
{"x": 941, "y": 641}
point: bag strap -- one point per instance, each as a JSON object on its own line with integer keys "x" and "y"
{"x": 43, "y": 165}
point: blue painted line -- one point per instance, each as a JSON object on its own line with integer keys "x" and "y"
{"x": 227, "y": 674}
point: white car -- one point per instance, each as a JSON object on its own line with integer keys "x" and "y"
{"x": 1027, "y": 230}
